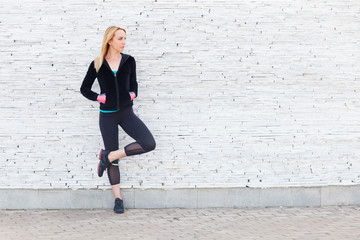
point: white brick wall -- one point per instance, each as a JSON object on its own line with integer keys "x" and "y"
{"x": 236, "y": 93}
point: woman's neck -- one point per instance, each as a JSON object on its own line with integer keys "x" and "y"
{"x": 113, "y": 54}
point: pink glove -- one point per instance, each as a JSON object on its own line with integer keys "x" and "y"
{"x": 101, "y": 98}
{"x": 132, "y": 95}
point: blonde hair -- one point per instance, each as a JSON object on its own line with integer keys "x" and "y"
{"x": 109, "y": 34}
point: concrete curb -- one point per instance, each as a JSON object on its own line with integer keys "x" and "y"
{"x": 181, "y": 197}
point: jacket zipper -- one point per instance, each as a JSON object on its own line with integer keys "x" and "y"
{"x": 117, "y": 92}
{"x": 116, "y": 85}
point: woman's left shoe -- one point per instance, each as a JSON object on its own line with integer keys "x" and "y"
{"x": 104, "y": 162}
{"x": 119, "y": 206}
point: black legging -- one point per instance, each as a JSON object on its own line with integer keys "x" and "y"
{"x": 134, "y": 127}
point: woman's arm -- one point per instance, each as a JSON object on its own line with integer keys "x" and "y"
{"x": 133, "y": 82}
{"x": 87, "y": 83}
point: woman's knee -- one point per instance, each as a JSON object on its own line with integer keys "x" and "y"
{"x": 149, "y": 145}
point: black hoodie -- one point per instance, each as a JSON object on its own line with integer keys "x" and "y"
{"x": 116, "y": 87}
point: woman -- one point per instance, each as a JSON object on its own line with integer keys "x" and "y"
{"x": 116, "y": 74}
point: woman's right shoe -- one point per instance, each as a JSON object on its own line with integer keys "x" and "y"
{"x": 119, "y": 206}
{"x": 104, "y": 162}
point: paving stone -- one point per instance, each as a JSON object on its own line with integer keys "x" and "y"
{"x": 333, "y": 222}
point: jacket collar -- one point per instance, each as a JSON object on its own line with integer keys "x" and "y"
{"x": 124, "y": 58}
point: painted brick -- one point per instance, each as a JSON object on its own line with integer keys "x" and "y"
{"x": 257, "y": 94}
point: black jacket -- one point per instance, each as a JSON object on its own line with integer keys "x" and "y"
{"x": 116, "y": 87}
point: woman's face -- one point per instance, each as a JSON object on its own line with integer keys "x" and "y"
{"x": 118, "y": 41}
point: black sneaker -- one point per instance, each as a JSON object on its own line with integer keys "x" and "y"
{"x": 104, "y": 162}
{"x": 119, "y": 206}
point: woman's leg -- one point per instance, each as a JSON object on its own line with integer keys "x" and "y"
{"x": 135, "y": 128}
{"x": 110, "y": 134}
{"x": 114, "y": 155}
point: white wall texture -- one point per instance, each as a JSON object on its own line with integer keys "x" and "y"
{"x": 237, "y": 93}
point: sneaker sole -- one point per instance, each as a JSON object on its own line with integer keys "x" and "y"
{"x": 118, "y": 212}
{"x": 98, "y": 169}
{"x": 100, "y": 153}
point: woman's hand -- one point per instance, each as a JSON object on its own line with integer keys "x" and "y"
{"x": 132, "y": 95}
{"x": 101, "y": 98}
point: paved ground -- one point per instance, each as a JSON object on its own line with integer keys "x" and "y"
{"x": 255, "y": 223}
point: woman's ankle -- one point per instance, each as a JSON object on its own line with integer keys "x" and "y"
{"x": 110, "y": 156}
{"x": 113, "y": 156}
{"x": 117, "y": 154}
